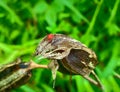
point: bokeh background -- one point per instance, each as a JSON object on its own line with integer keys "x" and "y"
{"x": 95, "y": 23}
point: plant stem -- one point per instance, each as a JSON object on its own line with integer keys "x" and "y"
{"x": 34, "y": 65}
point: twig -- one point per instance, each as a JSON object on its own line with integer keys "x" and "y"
{"x": 34, "y": 65}
{"x": 97, "y": 82}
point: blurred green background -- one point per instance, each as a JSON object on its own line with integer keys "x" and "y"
{"x": 95, "y": 23}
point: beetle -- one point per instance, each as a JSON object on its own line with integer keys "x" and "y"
{"x": 68, "y": 56}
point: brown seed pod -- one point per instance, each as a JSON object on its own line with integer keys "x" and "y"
{"x": 72, "y": 56}
{"x": 13, "y": 75}
{"x": 16, "y": 74}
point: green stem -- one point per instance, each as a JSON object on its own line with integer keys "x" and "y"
{"x": 113, "y": 13}
{"x": 92, "y": 23}
{"x": 37, "y": 59}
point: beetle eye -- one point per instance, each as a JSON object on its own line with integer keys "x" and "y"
{"x": 50, "y": 37}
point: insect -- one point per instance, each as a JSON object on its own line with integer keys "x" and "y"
{"x": 68, "y": 56}
{"x": 16, "y": 74}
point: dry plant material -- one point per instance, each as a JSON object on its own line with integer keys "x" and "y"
{"x": 68, "y": 56}
{"x": 16, "y": 74}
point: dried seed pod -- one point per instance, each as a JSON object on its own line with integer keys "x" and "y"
{"x": 13, "y": 75}
{"x": 16, "y": 74}
{"x": 72, "y": 56}
{"x": 54, "y": 67}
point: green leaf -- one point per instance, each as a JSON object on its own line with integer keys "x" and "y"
{"x": 40, "y": 7}
{"x": 14, "y": 34}
{"x": 27, "y": 89}
{"x": 51, "y": 17}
